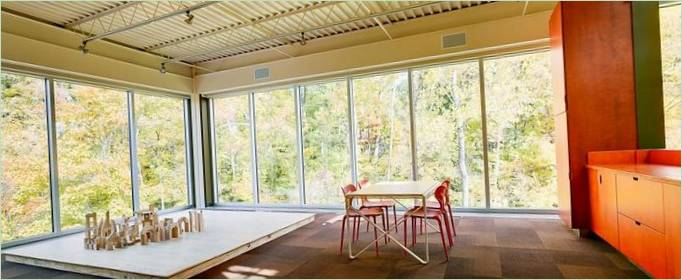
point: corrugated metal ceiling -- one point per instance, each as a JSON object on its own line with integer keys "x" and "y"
{"x": 223, "y": 29}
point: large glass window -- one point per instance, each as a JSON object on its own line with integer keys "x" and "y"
{"x": 276, "y": 147}
{"x": 24, "y": 173}
{"x": 93, "y": 152}
{"x": 448, "y": 129}
{"x": 326, "y": 151}
{"x": 520, "y": 129}
{"x": 161, "y": 152}
{"x": 670, "y": 52}
{"x": 382, "y": 117}
{"x": 233, "y": 149}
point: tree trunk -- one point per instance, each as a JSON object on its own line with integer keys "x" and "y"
{"x": 461, "y": 142}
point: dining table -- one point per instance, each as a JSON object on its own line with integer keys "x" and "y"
{"x": 418, "y": 191}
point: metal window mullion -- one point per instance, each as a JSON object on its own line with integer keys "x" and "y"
{"x": 299, "y": 143}
{"x": 254, "y": 155}
{"x": 484, "y": 131}
{"x": 214, "y": 160}
{"x": 351, "y": 131}
{"x": 188, "y": 153}
{"x": 413, "y": 126}
{"x": 52, "y": 154}
{"x": 132, "y": 138}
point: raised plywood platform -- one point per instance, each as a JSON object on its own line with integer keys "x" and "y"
{"x": 228, "y": 234}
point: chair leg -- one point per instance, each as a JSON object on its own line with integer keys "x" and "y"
{"x": 405, "y": 232}
{"x": 355, "y": 229}
{"x": 385, "y": 217}
{"x": 395, "y": 220}
{"x": 452, "y": 220}
{"x": 383, "y": 223}
{"x": 376, "y": 241}
{"x": 420, "y": 227}
{"x": 343, "y": 230}
{"x": 446, "y": 219}
{"x": 442, "y": 239}
{"x": 414, "y": 229}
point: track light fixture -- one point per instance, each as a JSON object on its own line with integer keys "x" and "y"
{"x": 83, "y": 47}
{"x": 163, "y": 68}
{"x": 302, "y": 41}
{"x": 189, "y": 18}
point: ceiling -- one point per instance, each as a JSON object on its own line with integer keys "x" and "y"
{"x": 222, "y": 29}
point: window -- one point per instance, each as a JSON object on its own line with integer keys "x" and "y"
{"x": 93, "y": 152}
{"x": 24, "y": 173}
{"x": 276, "y": 147}
{"x": 520, "y": 129}
{"x": 448, "y": 130}
{"x": 382, "y": 118}
{"x": 161, "y": 151}
{"x": 670, "y": 52}
{"x": 326, "y": 151}
{"x": 233, "y": 148}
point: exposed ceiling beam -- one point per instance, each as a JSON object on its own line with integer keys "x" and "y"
{"x": 145, "y": 22}
{"x": 243, "y": 24}
{"x": 101, "y": 14}
{"x": 295, "y": 33}
{"x": 377, "y": 20}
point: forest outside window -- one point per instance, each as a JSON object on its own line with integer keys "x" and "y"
{"x": 382, "y": 116}
{"x": 277, "y": 157}
{"x": 670, "y": 52}
{"x": 25, "y": 178}
{"x": 89, "y": 162}
{"x": 232, "y": 128}
{"x": 162, "y": 165}
{"x": 520, "y": 129}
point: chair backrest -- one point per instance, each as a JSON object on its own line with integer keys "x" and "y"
{"x": 446, "y": 182}
{"x": 348, "y": 189}
{"x": 441, "y": 195}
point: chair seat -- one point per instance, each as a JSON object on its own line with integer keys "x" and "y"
{"x": 430, "y": 213}
{"x": 378, "y": 203}
{"x": 366, "y": 212}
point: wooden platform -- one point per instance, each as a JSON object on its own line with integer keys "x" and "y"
{"x": 228, "y": 234}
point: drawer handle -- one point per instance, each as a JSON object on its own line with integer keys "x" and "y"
{"x": 635, "y": 178}
{"x": 638, "y": 223}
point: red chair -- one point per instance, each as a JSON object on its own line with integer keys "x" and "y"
{"x": 436, "y": 205}
{"x": 367, "y": 212}
{"x": 435, "y": 214}
{"x": 381, "y": 204}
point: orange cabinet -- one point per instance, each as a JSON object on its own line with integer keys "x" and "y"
{"x": 671, "y": 203}
{"x": 643, "y": 245}
{"x": 603, "y": 205}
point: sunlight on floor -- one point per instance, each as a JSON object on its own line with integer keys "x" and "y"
{"x": 240, "y": 271}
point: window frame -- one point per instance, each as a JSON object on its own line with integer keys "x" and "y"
{"x": 349, "y": 78}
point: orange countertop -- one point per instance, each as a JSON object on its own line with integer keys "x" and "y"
{"x": 667, "y": 174}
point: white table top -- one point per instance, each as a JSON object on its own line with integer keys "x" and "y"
{"x": 398, "y": 189}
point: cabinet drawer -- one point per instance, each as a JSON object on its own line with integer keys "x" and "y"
{"x": 643, "y": 245}
{"x": 641, "y": 200}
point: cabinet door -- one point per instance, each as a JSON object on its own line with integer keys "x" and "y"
{"x": 608, "y": 207}
{"x": 641, "y": 200}
{"x": 671, "y": 201}
{"x": 595, "y": 205}
{"x": 643, "y": 245}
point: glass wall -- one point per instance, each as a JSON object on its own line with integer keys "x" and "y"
{"x": 670, "y": 52}
{"x": 162, "y": 165}
{"x": 233, "y": 149}
{"x": 520, "y": 128}
{"x": 24, "y": 173}
{"x": 93, "y": 152}
{"x": 66, "y": 151}
{"x": 448, "y": 125}
{"x": 326, "y": 147}
{"x": 382, "y": 116}
{"x": 497, "y": 154}
{"x": 275, "y": 119}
